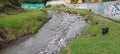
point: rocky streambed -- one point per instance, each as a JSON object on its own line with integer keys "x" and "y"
{"x": 68, "y": 27}
{"x": 60, "y": 30}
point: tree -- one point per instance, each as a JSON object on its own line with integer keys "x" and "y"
{"x": 34, "y": 1}
{"x": 18, "y": 2}
{"x": 14, "y": 2}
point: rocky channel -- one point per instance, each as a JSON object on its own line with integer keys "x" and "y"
{"x": 69, "y": 26}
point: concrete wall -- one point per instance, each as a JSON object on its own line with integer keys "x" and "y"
{"x": 53, "y": 3}
{"x": 107, "y": 9}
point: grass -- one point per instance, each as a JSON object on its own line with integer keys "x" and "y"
{"x": 99, "y": 44}
{"x": 92, "y": 41}
{"x": 113, "y": 20}
{"x": 116, "y": 21}
{"x": 18, "y": 24}
{"x": 84, "y": 13}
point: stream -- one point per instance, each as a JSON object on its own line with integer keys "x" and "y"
{"x": 52, "y": 37}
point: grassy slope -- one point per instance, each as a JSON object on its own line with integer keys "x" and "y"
{"x": 19, "y": 24}
{"x": 99, "y": 44}
{"x": 90, "y": 44}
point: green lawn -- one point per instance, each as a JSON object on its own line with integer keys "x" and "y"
{"x": 90, "y": 44}
{"x": 16, "y": 25}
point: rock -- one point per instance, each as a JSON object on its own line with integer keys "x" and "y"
{"x": 1, "y": 39}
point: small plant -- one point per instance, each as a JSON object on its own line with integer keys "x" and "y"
{"x": 48, "y": 6}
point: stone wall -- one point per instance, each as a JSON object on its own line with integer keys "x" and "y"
{"x": 107, "y": 9}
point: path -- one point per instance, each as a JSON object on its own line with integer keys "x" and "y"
{"x": 52, "y": 37}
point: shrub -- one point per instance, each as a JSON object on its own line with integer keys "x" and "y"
{"x": 47, "y": 6}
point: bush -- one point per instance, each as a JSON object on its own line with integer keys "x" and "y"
{"x": 47, "y": 6}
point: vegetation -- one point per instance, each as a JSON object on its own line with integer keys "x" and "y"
{"x": 15, "y": 25}
{"x": 12, "y": 2}
{"x": 34, "y": 1}
{"x": 74, "y": 1}
{"x": 2, "y": 3}
{"x": 18, "y": 2}
{"x": 15, "y": 22}
{"x": 92, "y": 41}
{"x": 116, "y": 21}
